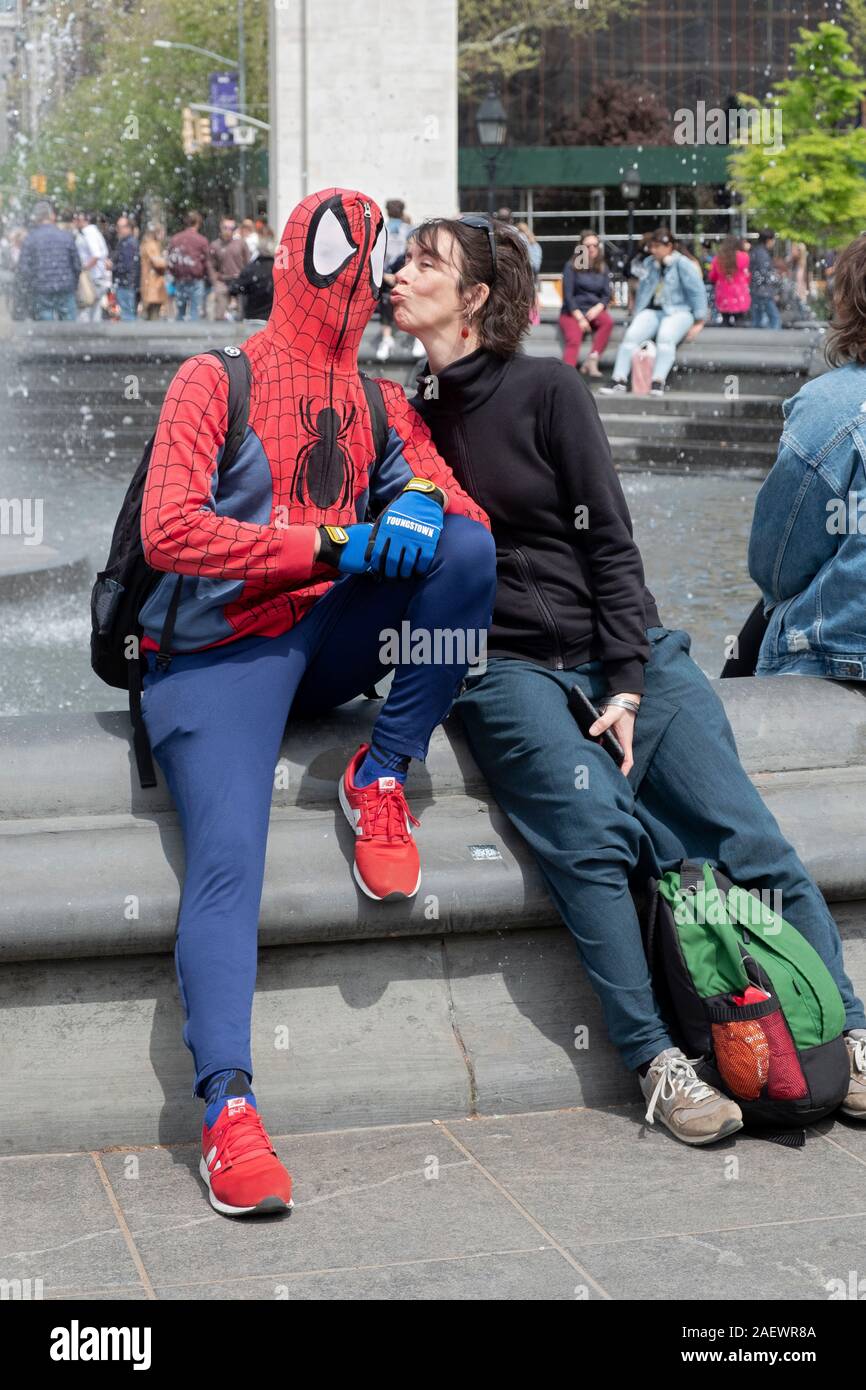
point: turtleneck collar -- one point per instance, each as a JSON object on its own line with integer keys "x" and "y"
{"x": 465, "y": 384}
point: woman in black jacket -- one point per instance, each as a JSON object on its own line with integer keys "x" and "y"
{"x": 585, "y": 297}
{"x": 523, "y": 437}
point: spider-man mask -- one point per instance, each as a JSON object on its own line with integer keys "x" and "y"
{"x": 327, "y": 276}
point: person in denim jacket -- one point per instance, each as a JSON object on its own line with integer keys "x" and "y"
{"x": 807, "y": 550}
{"x": 670, "y": 306}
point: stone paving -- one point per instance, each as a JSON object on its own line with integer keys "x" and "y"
{"x": 558, "y": 1205}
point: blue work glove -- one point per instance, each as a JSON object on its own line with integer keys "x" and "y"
{"x": 406, "y": 534}
{"x": 344, "y": 548}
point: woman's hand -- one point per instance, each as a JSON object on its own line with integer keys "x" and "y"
{"x": 621, "y": 721}
{"x": 582, "y": 320}
{"x": 594, "y": 312}
{"x": 694, "y": 331}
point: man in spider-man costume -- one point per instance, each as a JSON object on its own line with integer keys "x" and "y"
{"x": 298, "y": 560}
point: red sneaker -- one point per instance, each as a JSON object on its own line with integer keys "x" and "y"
{"x": 386, "y": 856}
{"x": 239, "y": 1165}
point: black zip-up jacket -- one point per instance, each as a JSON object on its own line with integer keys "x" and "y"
{"x": 256, "y": 284}
{"x": 523, "y": 437}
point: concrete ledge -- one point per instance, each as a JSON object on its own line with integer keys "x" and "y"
{"x": 111, "y": 886}
{"x": 27, "y": 570}
{"x": 462, "y": 1002}
{"x": 91, "y": 865}
{"x": 82, "y": 764}
{"x": 787, "y": 350}
{"x": 354, "y": 1034}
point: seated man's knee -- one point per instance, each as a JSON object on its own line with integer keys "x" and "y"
{"x": 470, "y": 547}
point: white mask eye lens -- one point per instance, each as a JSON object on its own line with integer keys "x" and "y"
{"x": 331, "y": 248}
{"x": 377, "y": 259}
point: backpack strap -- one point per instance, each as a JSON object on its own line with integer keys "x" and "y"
{"x": 378, "y": 414}
{"x": 237, "y": 369}
{"x": 379, "y": 421}
{"x": 140, "y": 740}
{"x": 691, "y": 876}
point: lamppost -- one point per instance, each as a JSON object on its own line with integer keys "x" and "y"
{"x": 491, "y": 123}
{"x": 630, "y": 190}
{"x": 238, "y": 63}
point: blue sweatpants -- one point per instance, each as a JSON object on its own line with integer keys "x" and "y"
{"x": 216, "y": 719}
{"x": 593, "y": 831}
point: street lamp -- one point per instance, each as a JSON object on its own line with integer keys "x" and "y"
{"x": 630, "y": 190}
{"x": 240, "y": 194}
{"x": 194, "y": 48}
{"x": 491, "y": 123}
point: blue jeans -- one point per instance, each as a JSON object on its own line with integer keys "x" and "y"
{"x": 668, "y": 329}
{"x": 189, "y": 298}
{"x": 765, "y": 312}
{"x": 126, "y": 300}
{"x": 54, "y": 304}
{"x": 216, "y": 719}
{"x": 687, "y": 796}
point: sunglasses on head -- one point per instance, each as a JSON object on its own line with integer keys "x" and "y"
{"x": 480, "y": 224}
{"x": 483, "y": 224}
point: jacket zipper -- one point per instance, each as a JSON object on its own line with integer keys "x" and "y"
{"x": 523, "y": 560}
{"x": 463, "y": 451}
{"x": 362, "y": 261}
{"x": 541, "y": 603}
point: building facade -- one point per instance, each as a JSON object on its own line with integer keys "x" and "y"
{"x": 364, "y": 95}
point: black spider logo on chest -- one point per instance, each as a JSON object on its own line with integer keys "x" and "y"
{"x": 323, "y": 474}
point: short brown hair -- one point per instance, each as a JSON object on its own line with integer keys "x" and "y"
{"x": 504, "y": 317}
{"x": 848, "y": 339}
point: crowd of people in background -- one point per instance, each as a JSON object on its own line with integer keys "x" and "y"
{"x": 83, "y": 267}
{"x": 674, "y": 291}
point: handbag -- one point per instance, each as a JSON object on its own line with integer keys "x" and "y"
{"x": 85, "y": 295}
{"x": 642, "y": 364}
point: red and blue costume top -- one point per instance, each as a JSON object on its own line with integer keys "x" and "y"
{"x": 307, "y": 457}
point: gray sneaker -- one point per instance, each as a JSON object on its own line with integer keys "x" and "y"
{"x": 686, "y": 1105}
{"x": 854, "y": 1104}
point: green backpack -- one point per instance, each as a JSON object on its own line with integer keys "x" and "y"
{"x": 740, "y": 988}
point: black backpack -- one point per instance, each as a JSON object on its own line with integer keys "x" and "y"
{"x": 122, "y": 588}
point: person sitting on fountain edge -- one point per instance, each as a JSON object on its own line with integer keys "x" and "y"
{"x": 298, "y": 559}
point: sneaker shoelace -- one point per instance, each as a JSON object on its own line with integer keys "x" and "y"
{"x": 677, "y": 1074}
{"x": 858, "y": 1056}
{"x": 385, "y": 813}
{"x": 243, "y": 1135}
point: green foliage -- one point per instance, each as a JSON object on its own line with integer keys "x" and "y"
{"x": 813, "y": 188}
{"x": 118, "y": 128}
{"x": 118, "y": 125}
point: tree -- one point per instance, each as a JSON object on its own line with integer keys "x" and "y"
{"x": 618, "y": 113}
{"x": 118, "y": 128}
{"x": 498, "y": 38}
{"x": 811, "y": 187}
{"x": 854, "y": 22}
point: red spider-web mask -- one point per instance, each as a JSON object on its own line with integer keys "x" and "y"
{"x": 327, "y": 276}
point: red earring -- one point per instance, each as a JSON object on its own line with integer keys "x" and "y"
{"x": 464, "y": 332}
